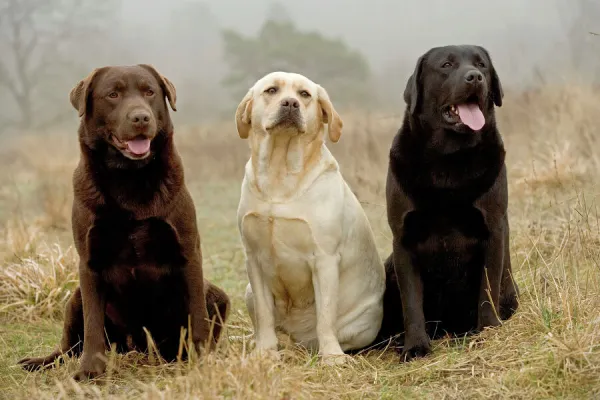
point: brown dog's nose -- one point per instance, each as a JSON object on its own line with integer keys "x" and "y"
{"x": 290, "y": 102}
{"x": 139, "y": 118}
{"x": 473, "y": 76}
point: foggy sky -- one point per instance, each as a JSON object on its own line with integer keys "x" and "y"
{"x": 532, "y": 42}
{"x": 397, "y": 31}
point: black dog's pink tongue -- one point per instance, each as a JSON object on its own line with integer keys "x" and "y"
{"x": 138, "y": 146}
{"x": 471, "y": 115}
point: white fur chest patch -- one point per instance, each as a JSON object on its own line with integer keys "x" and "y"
{"x": 285, "y": 250}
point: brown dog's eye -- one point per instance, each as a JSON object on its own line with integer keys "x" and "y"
{"x": 271, "y": 90}
{"x": 480, "y": 65}
{"x": 149, "y": 92}
{"x": 304, "y": 93}
{"x": 447, "y": 64}
{"x": 113, "y": 95}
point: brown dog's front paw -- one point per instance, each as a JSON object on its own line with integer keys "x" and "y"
{"x": 415, "y": 348}
{"x": 90, "y": 369}
{"x": 83, "y": 375}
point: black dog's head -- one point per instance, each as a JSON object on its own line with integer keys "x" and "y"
{"x": 453, "y": 91}
{"x": 125, "y": 113}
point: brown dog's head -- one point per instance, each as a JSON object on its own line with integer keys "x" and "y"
{"x": 124, "y": 111}
{"x": 287, "y": 103}
{"x": 454, "y": 89}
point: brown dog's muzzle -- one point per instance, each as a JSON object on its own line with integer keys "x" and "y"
{"x": 136, "y": 131}
{"x": 139, "y": 120}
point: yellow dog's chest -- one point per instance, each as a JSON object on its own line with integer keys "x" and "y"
{"x": 285, "y": 238}
{"x": 284, "y": 248}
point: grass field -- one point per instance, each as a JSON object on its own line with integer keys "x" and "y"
{"x": 549, "y": 349}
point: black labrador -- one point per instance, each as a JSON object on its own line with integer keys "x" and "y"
{"x": 447, "y": 204}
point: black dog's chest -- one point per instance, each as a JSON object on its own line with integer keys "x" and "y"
{"x": 448, "y": 186}
{"x": 126, "y": 250}
{"x": 439, "y": 240}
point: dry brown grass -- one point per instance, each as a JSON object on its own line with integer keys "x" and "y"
{"x": 549, "y": 349}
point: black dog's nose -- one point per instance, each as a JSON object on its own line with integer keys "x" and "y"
{"x": 473, "y": 76}
{"x": 290, "y": 103}
{"x": 139, "y": 117}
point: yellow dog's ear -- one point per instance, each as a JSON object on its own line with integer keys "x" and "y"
{"x": 166, "y": 85}
{"x": 243, "y": 120}
{"x": 80, "y": 93}
{"x": 330, "y": 116}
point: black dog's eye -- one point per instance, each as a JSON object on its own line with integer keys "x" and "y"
{"x": 304, "y": 93}
{"x": 149, "y": 92}
{"x": 447, "y": 64}
{"x": 271, "y": 90}
{"x": 113, "y": 95}
{"x": 480, "y": 65}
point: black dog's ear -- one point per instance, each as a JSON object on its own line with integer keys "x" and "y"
{"x": 412, "y": 92}
{"x": 497, "y": 92}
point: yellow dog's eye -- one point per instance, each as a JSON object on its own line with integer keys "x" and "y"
{"x": 271, "y": 90}
{"x": 304, "y": 93}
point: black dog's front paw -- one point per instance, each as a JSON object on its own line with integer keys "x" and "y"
{"x": 509, "y": 303}
{"x": 487, "y": 319}
{"x": 415, "y": 348}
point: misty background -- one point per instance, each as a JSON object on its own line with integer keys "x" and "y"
{"x": 361, "y": 51}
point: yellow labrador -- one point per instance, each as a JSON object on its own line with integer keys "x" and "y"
{"x": 311, "y": 259}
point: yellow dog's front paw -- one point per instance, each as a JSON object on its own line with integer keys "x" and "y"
{"x": 269, "y": 353}
{"x": 336, "y": 359}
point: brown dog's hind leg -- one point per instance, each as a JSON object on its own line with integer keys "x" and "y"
{"x": 218, "y": 305}
{"x": 72, "y": 339}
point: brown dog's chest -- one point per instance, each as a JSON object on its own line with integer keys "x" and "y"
{"x": 126, "y": 251}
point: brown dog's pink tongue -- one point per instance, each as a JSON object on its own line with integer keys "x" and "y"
{"x": 471, "y": 115}
{"x": 138, "y": 146}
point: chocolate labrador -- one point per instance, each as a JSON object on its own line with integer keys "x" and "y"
{"x": 134, "y": 226}
{"x": 447, "y": 204}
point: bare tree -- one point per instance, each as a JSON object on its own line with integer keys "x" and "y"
{"x": 37, "y": 45}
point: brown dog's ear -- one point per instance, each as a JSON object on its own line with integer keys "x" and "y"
{"x": 79, "y": 94}
{"x": 330, "y": 116}
{"x": 414, "y": 87}
{"x": 243, "y": 119}
{"x": 497, "y": 92}
{"x": 167, "y": 85}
